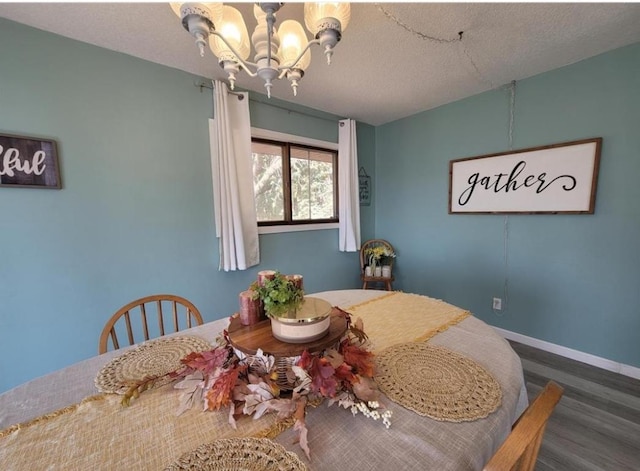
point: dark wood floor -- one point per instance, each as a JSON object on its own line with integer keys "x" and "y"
{"x": 596, "y": 425}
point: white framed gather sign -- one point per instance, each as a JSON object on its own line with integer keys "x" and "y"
{"x": 558, "y": 178}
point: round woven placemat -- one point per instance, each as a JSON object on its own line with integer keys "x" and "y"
{"x": 239, "y": 454}
{"x": 436, "y": 382}
{"x": 154, "y": 358}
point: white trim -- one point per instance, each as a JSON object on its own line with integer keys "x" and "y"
{"x": 296, "y": 228}
{"x": 609, "y": 365}
{"x": 280, "y": 136}
{"x": 631, "y": 371}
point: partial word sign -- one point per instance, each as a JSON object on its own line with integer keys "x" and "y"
{"x": 28, "y": 162}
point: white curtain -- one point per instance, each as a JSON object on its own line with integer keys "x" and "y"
{"x": 231, "y": 167}
{"x": 349, "y": 213}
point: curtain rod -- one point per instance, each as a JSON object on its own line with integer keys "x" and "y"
{"x": 202, "y": 85}
{"x": 240, "y": 96}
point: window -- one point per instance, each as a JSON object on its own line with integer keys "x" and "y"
{"x": 294, "y": 183}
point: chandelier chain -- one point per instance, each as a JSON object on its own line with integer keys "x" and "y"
{"x": 505, "y": 241}
{"x": 512, "y": 106}
{"x": 438, "y": 40}
{"x": 476, "y": 69}
{"x": 408, "y": 28}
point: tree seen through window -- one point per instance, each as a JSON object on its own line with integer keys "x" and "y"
{"x": 294, "y": 184}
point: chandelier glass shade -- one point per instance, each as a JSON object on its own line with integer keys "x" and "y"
{"x": 278, "y": 52}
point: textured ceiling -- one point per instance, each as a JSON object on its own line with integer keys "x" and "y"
{"x": 381, "y": 71}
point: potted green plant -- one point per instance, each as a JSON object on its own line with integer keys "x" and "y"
{"x": 377, "y": 256}
{"x": 280, "y": 295}
{"x": 294, "y": 317}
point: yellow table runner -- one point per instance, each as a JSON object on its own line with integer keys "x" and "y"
{"x": 401, "y": 317}
{"x": 99, "y": 433}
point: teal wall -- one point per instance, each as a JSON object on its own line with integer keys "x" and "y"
{"x": 573, "y": 280}
{"x": 135, "y": 215}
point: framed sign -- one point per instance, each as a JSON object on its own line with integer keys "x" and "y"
{"x": 28, "y": 162}
{"x": 559, "y": 178}
{"x": 364, "y": 181}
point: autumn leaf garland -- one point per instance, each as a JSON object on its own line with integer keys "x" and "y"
{"x": 248, "y": 385}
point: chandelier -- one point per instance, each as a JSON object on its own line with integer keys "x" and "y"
{"x": 279, "y": 53}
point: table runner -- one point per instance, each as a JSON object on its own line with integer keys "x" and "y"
{"x": 145, "y": 435}
{"x": 400, "y": 317}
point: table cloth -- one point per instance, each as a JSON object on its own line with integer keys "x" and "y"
{"x": 338, "y": 440}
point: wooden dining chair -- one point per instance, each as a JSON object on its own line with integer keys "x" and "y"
{"x": 372, "y": 278}
{"x": 162, "y": 306}
{"x": 519, "y": 451}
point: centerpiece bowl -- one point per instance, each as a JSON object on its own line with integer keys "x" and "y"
{"x": 309, "y": 322}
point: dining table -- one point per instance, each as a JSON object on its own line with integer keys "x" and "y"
{"x": 426, "y": 351}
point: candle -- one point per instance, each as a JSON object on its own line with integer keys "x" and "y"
{"x": 265, "y": 275}
{"x": 296, "y": 280}
{"x": 249, "y": 308}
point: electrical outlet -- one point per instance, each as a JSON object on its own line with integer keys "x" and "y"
{"x": 497, "y": 304}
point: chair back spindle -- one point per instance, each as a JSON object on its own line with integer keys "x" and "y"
{"x": 180, "y": 308}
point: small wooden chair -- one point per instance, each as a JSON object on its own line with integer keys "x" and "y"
{"x": 519, "y": 451}
{"x": 375, "y": 280}
{"x": 179, "y": 307}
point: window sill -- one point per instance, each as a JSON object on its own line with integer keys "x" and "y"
{"x": 296, "y": 228}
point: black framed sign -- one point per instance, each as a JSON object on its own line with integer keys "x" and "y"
{"x": 28, "y": 162}
{"x": 364, "y": 183}
{"x": 553, "y": 179}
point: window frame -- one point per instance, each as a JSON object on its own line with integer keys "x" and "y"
{"x": 288, "y": 140}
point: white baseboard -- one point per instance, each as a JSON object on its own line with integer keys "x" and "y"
{"x": 609, "y": 365}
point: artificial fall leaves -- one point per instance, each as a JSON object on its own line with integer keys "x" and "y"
{"x": 248, "y": 385}
{"x": 222, "y": 388}
{"x": 207, "y": 362}
{"x": 252, "y": 382}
